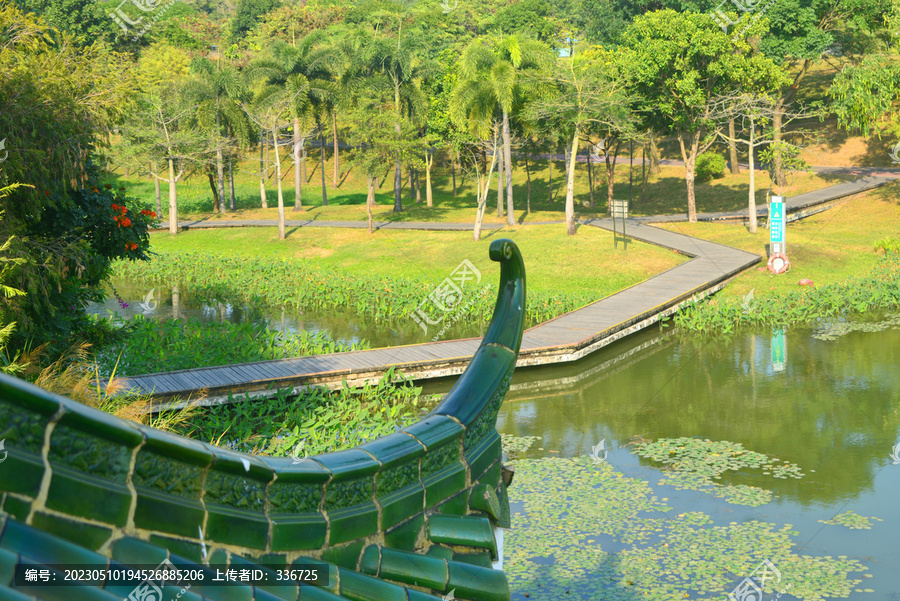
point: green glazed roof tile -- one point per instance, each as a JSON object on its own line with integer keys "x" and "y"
{"x": 393, "y": 449}
{"x": 435, "y": 430}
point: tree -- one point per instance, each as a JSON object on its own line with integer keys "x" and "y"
{"x": 865, "y": 94}
{"x": 249, "y": 13}
{"x": 680, "y": 63}
{"x": 217, "y": 91}
{"x": 589, "y": 93}
{"x": 491, "y": 79}
{"x": 283, "y": 75}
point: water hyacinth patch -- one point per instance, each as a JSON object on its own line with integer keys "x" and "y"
{"x": 566, "y": 510}
{"x": 851, "y": 520}
{"x": 696, "y": 463}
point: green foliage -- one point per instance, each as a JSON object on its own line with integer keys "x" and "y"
{"x": 877, "y": 291}
{"x": 305, "y": 285}
{"x": 150, "y": 345}
{"x": 888, "y": 245}
{"x": 315, "y": 421}
{"x": 248, "y": 14}
{"x": 532, "y": 18}
{"x": 864, "y": 94}
{"x": 710, "y": 166}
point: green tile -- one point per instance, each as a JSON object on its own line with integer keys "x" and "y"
{"x": 503, "y": 520}
{"x": 370, "y": 560}
{"x": 22, "y": 472}
{"x": 444, "y": 484}
{"x": 440, "y": 552}
{"x": 330, "y": 569}
{"x": 455, "y": 505}
{"x": 131, "y": 551}
{"x": 435, "y": 431}
{"x": 415, "y": 595}
{"x": 287, "y": 470}
{"x": 91, "y": 423}
{"x": 491, "y": 475}
{"x": 298, "y": 532}
{"x": 177, "y": 447}
{"x": 468, "y": 531}
{"x": 28, "y": 396}
{"x": 182, "y": 548}
{"x": 79, "y": 494}
{"x": 87, "y": 535}
{"x": 344, "y": 556}
{"x": 476, "y": 559}
{"x": 348, "y": 464}
{"x": 16, "y": 507}
{"x": 353, "y": 523}
{"x": 10, "y": 594}
{"x": 158, "y": 473}
{"x": 393, "y": 449}
{"x": 276, "y": 560}
{"x": 407, "y": 535}
{"x": 45, "y": 547}
{"x": 314, "y": 593}
{"x": 477, "y": 386}
{"x": 168, "y": 514}
{"x": 365, "y": 588}
{"x": 413, "y": 569}
{"x": 218, "y": 591}
{"x": 483, "y": 455}
{"x": 231, "y": 526}
{"x": 286, "y": 591}
{"x": 402, "y": 504}
{"x": 474, "y": 582}
{"x": 8, "y": 562}
{"x": 169, "y": 592}
{"x": 289, "y": 497}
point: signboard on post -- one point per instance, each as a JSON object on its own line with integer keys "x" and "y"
{"x": 776, "y": 224}
{"x": 779, "y": 350}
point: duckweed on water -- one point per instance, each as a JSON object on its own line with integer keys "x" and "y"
{"x": 696, "y": 463}
{"x": 851, "y": 520}
{"x": 514, "y": 446}
{"x": 833, "y": 331}
{"x": 562, "y": 506}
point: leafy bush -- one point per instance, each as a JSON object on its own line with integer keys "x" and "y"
{"x": 710, "y": 166}
{"x": 888, "y": 245}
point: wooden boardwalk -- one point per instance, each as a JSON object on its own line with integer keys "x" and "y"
{"x": 565, "y": 338}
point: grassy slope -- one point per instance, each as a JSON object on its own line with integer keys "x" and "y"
{"x": 829, "y": 247}
{"x": 554, "y": 261}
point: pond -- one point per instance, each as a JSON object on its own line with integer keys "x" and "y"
{"x": 591, "y": 520}
{"x": 179, "y": 301}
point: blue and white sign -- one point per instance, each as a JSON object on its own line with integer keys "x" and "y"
{"x": 776, "y": 224}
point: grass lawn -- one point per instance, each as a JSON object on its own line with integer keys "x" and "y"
{"x": 832, "y": 246}
{"x": 585, "y": 263}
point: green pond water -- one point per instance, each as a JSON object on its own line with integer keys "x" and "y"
{"x": 593, "y": 521}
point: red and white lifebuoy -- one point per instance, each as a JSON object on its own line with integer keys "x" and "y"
{"x": 778, "y": 263}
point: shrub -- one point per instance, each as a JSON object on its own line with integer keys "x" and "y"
{"x": 709, "y": 166}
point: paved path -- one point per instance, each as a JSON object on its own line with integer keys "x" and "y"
{"x": 565, "y": 338}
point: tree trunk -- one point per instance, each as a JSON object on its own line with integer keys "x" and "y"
{"x": 418, "y": 189}
{"x": 498, "y": 157}
{"x": 453, "y": 158}
{"x": 550, "y": 176}
{"x": 398, "y": 186}
{"x": 570, "y": 187}
{"x": 231, "y": 182}
{"x": 751, "y": 205}
{"x": 337, "y": 156}
{"x": 528, "y": 184}
{"x": 298, "y": 178}
{"x": 370, "y": 199}
{"x": 215, "y": 193}
{"x": 278, "y": 178}
{"x": 732, "y": 148}
{"x": 156, "y": 188}
{"x": 778, "y": 120}
{"x": 612, "y": 155}
{"x": 508, "y": 171}
{"x": 262, "y": 168}
{"x": 654, "y": 156}
{"x": 173, "y": 200}
{"x": 322, "y": 165}
{"x": 483, "y": 191}
{"x": 412, "y": 186}
{"x": 429, "y": 161}
{"x": 590, "y": 177}
{"x": 689, "y": 156}
{"x": 220, "y": 170}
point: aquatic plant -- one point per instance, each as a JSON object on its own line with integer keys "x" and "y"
{"x": 851, "y": 520}
{"x": 302, "y": 285}
{"x": 565, "y": 511}
{"x": 150, "y": 346}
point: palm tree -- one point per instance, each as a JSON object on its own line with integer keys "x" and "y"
{"x": 491, "y": 80}
{"x": 217, "y": 91}
{"x": 285, "y": 80}
{"x": 401, "y": 62}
